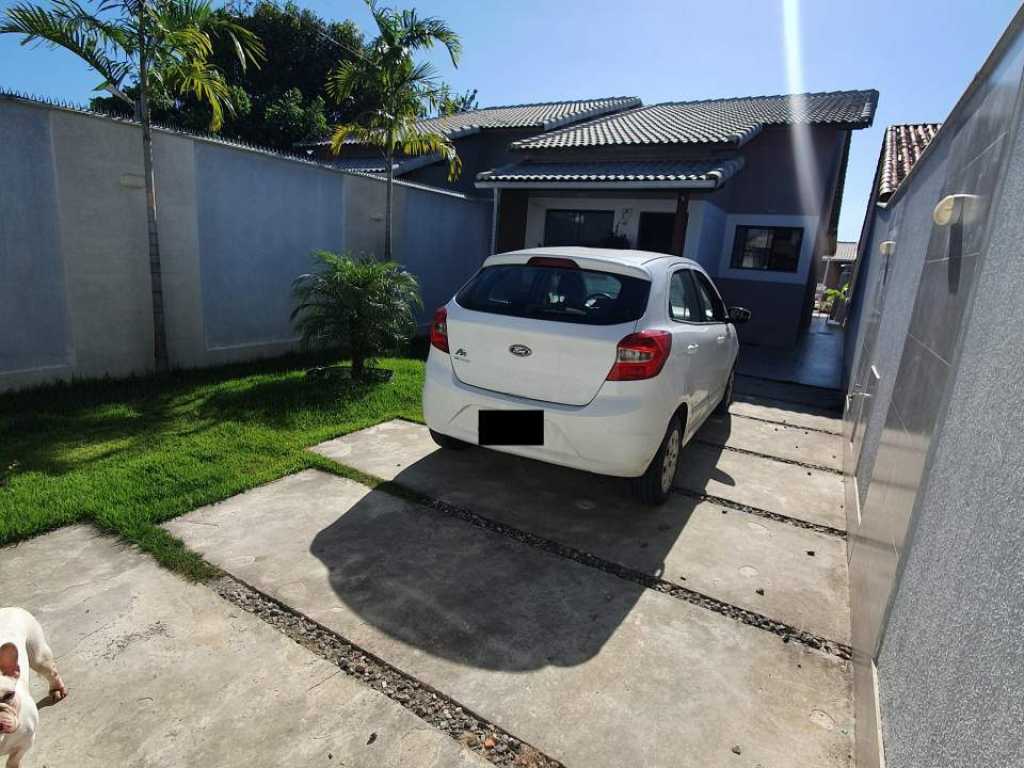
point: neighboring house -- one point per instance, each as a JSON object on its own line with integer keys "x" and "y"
{"x": 481, "y": 138}
{"x": 902, "y": 147}
{"x": 832, "y": 267}
{"x": 748, "y": 187}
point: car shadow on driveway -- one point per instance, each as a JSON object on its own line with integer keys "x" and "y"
{"x": 479, "y": 597}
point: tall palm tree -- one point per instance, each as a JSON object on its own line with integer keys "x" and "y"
{"x": 398, "y": 90}
{"x": 163, "y": 46}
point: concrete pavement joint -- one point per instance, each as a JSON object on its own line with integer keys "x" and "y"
{"x": 742, "y": 615}
{"x": 796, "y": 523}
{"x": 784, "y": 424}
{"x": 436, "y": 709}
{"x": 747, "y": 452}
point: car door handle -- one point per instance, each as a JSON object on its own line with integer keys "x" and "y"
{"x": 721, "y": 339}
{"x": 691, "y": 348}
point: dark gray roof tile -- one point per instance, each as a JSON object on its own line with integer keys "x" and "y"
{"x": 713, "y": 121}
{"x": 703, "y": 173}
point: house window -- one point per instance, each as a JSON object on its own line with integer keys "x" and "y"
{"x": 591, "y": 228}
{"x": 776, "y": 249}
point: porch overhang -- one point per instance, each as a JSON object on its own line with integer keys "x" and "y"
{"x": 702, "y": 174}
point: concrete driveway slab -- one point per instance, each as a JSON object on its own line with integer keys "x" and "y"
{"x": 812, "y": 495}
{"x": 590, "y": 668}
{"x": 165, "y": 673}
{"x": 775, "y": 440}
{"x": 787, "y": 413}
{"x": 724, "y": 553}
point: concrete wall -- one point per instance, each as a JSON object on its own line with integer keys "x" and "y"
{"x": 934, "y": 463}
{"x": 236, "y": 227}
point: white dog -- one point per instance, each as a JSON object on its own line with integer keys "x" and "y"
{"x": 21, "y": 642}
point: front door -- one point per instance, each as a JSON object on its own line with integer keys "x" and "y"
{"x": 655, "y": 232}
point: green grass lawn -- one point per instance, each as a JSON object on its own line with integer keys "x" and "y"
{"x": 128, "y": 455}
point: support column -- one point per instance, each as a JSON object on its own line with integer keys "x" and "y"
{"x": 679, "y": 224}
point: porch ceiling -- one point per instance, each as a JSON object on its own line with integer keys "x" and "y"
{"x": 701, "y": 174}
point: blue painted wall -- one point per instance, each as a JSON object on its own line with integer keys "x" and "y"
{"x": 259, "y": 219}
{"x": 33, "y": 310}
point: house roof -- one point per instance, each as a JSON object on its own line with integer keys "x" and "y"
{"x": 544, "y": 116}
{"x": 713, "y": 121}
{"x": 901, "y": 149}
{"x": 845, "y": 251}
{"x": 361, "y": 164}
{"x": 703, "y": 174}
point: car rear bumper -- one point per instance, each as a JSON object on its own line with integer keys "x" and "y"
{"x": 617, "y": 433}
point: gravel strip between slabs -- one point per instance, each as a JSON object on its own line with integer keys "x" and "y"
{"x": 433, "y": 707}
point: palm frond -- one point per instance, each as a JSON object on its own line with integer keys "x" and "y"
{"x": 423, "y": 33}
{"x": 417, "y": 143}
{"x": 361, "y": 134}
{"x": 357, "y": 304}
{"x": 97, "y": 46}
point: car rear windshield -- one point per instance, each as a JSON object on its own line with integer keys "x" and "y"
{"x": 561, "y": 294}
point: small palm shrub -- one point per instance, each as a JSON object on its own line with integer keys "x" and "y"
{"x": 356, "y": 304}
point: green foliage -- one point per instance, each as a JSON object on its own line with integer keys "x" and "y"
{"x": 359, "y": 305}
{"x": 397, "y": 88}
{"x": 128, "y": 455}
{"x": 290, "y": 119}
{"x": 179, "y": 38}
{"x": 282, "y": 102}
{"x": 832, "y": 295}
{"x": 451, "y": 103}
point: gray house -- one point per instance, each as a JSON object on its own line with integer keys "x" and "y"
{"x": 749, "y": 187}
{"x": 481, "y": 138}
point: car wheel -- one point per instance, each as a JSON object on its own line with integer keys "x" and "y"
{"x": 654, "y": 485}
{"x": 722, "y": 409}
{"x": 447, "y": 441}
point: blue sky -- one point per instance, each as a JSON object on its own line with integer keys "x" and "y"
{"x": 920, "y": 54}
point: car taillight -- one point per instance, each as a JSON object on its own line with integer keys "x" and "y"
{"x": 641, "y": 356}
{"x": 552, "y": 261}
{"x": 439, "y": 330}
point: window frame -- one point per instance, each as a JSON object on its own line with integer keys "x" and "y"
{"x": 668, "y": 298}
{"x": 584, "y": 211}
{"x": 723, "y": 308}
{"x": 742, "y": 229}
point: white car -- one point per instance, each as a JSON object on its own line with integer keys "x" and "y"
{"x": 602, "y": 360}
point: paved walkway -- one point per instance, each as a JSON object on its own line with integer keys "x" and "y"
{"x": 162, "y": 673}
{"x": 710, "y": 632}
{"x": 538, "y": 603}
{"x": 815, "y": 360}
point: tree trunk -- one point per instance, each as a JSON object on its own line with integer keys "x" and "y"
{"x": 160, "y": 359}
{"x": 358, "y": 365}
{"x": 387, "y": 206}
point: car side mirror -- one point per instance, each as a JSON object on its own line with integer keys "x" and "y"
{"x": 738, "y": 315}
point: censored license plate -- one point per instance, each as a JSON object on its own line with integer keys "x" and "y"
{"x": 511, "y": 427}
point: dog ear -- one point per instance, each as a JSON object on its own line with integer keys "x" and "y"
{"x": 9, "y": 660}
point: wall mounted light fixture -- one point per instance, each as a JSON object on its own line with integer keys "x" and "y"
{"x": 887, "y": 247}
{"x": 950, "y": 209}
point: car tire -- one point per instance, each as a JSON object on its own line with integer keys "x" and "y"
{"x": 655, "y": 485}
{"x": 447, "y": 441}
{"x": 722, "y": 409}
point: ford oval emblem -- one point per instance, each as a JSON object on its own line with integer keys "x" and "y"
{"x": 520, "y": 350}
